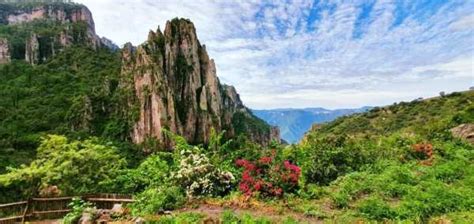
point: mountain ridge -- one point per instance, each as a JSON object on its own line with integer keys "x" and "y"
{"x": 295, "y": 122}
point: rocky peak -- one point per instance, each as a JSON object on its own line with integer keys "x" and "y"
{"x": 177, "y": 89}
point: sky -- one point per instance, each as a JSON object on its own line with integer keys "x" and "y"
{"x": 332, "y": 54}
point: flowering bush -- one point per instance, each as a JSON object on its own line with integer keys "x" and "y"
{"x": 198, "y": 176}
{"x": 268, "y": 177}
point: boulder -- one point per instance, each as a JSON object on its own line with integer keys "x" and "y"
{"x": 464, "y": 131}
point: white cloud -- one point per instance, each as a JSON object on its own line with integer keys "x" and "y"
{"x": 275, "y": 59}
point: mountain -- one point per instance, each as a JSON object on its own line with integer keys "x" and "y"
{"x": 176, "y": 87}
{"x": 293, "y": 123}
{"x": 58, "y": 76}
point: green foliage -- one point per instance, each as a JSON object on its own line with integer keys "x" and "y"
{"x": 155, "y": 200}
{"x": 72, "y": 94}
{"x": 75, "y": 167}
{"x": 326, "y": 159}
{"x": 152, "y": 172}
{"x": 77, "y": 206}
{"x": 243, "y": 123}
{"x": 377, "y": 209}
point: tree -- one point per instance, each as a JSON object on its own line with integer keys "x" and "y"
{"x": 73, "y": 167}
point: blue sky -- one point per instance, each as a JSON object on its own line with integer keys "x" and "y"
{"x": 333, "y": 54}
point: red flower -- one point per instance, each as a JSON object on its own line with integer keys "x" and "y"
{"x": 265, "y": 160}
{"x": 246, "y": 176}
{"x": 244, "y": 187}
{"x": 267, "y": 177}
{"x": 241, "y": 162}
{"x": 257, "y": 186}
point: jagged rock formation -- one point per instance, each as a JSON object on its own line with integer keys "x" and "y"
{"x": 73, "y": 23}
{"x": 176, "y": 88}
{"x": 4, "y": 51}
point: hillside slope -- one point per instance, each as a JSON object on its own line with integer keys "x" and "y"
{"x": 420, "y": 117}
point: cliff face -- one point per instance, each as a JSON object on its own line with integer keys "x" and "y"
{"x": 176, "y": 88}
{"x": 68, "y": 23}
{"x": 4, "y": 51}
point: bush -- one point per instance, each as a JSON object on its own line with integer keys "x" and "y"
{"x": 433, "y": 198}
{"x": 78, "y": 206}
{"x": 268, "y": 177}
{"x": 155, "y": 200}
{"x": 326, "y": 159}
{"x": 312, "y": 191}
{"x": 199, "y": 177}
{"x": 74, "y": 167}
{"x": 152, "y": 172}
{"x": 375, "y": 208}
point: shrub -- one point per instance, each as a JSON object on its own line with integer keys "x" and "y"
{"x": 326, "y": 159}
{"x": 268, "y": 177}
{"x": 432, "y": 198}
{"x": 199, "y": 177}
{"x": 312, "y": 191}
{"x": 75, "y": 167}
{"x": 152, "y": 172}
{"x": 375, "y": 208}
{"x": 229, "y": 217}
{"x": 154, "y": 200}
{"x": 78, "y": 206}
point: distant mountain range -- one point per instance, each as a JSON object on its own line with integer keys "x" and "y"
{"x": 294, "y": 123}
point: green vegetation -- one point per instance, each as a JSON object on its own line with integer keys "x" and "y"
{"x": 65, "y": 124}
{"x": 77, "y": 206}
{"x": 74, "y": 94}
{"x": 74, "y": 167}
{"x": 243, "y": 123}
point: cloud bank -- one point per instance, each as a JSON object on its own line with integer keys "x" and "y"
{"x": 316, "y": 53}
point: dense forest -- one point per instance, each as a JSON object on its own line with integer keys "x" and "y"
{"x": 65, "y": 131}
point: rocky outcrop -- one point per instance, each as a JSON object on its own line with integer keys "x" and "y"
{"x": 63, "y": 13}
{"x": 176, "y": 88}
{"x": 4, "y": 51}
{"x": 464, "y": 131}
{"x": 73, "y": 24}
{"x": 32, "y": 50}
